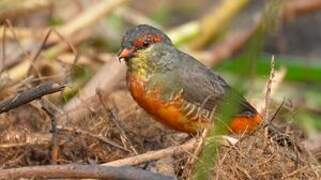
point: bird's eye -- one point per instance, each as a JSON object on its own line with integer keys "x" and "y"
{"x": 146, "y": 43}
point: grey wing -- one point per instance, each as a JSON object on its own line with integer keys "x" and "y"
{"x": 204, "y": 88}
{"x": 201, "y": 86}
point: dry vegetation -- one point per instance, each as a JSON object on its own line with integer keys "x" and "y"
{"x": 102, "y": 125}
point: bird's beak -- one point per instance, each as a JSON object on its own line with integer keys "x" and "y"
{"x": 125, "y": 54}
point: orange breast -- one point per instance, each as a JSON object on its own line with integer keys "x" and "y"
{"x": 170, "y": 114}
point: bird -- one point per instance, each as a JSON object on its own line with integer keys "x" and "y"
{"x": 175, "y": 88}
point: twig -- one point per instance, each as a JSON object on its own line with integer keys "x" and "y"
{"x": 7, "y": 25}
{"x": 278, "y": 79}
{"x": 30, "y": 95}
{"x": 244, "y": 171}
{"x": 295, "y": 172}
{"x": 39, "y": 51}
{"x": 54, "y": 139}
{"x": 268, "y": 89}
{"x": 66, "y": 43}
{"x": 30, "y": 139}
{"x": 277, "y": 111}
{"x": 103, "y": 139}
{"x": 10, "y": 27}
{"x": 81, "y": 171}
{"x": 73, "y": 65}
{"x": 153, "y": 155}
{"x": 115, "y": 120}
{"x": 189, "y": 165}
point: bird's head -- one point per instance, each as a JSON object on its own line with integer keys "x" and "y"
{"x": 139, "y": 38}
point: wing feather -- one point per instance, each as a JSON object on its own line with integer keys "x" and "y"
{"x": 205, "y": 88}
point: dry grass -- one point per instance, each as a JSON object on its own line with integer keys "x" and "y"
{"x": 81, "y": 141}
{"x": 259, "y": 157}
{"x": 26, "y": 133}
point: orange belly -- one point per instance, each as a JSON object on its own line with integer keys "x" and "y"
{"x": 170, "y": 114}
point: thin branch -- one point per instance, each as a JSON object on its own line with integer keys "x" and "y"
{"x": 30, "y": 95}
{"x": 11, "y": 29}
{"x": 102, "y": 139}
{"x": 295, "y": 172}
{"x": 189, "y": 165}
{"x": 34, "y": 59}
{"x": 29, "y": 139}
{"x": 153, "y": 155}
{"x": 81, "y": 171}
{"x": 268, "y": 89}
{"x": 54, "y": 139}
{"x": 278, "y": 79}
{"x": 66, "y": 40}
{"x": 277, "y": 111}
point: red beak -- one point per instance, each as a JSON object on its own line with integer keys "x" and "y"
{"x": 125, "y": 53}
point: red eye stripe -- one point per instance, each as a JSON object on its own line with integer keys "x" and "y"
{"x": 154, "y": 38}
{"x": 139, "y": 42}
{"x": 147, "y": 38}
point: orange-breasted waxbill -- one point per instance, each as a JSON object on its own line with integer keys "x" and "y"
{"x": 174, "y": 87}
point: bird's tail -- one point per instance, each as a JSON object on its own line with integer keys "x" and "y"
{"x": 245, "y": 123}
